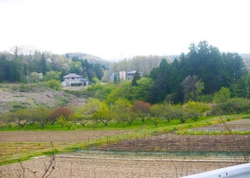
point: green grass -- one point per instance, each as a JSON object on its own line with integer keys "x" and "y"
{"x": 163, "y": 126}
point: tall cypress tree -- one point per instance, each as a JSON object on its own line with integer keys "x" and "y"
{"x": 135, "y": 78}
{"x": 43, "y": 65}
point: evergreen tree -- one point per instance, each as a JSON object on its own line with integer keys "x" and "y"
{"x": 43, "y": 65}
{"x": 135, "y": 78}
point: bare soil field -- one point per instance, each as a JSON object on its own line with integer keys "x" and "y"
{"x": 237, "y": 125}
{"x": 174, "y": 142}
{"x": 102, "y": 162}
{"x": 110, "y": 168}
{"x": 22, "y": 144}
{"x": 55, "y": 136}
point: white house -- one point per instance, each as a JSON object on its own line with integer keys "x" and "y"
{"x": 73, "y": 79}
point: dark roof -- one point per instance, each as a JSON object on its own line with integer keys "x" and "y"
{"x": 70, "y": 75}
{"x": 133, "y": 72}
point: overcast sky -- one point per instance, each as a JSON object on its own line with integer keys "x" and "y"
{"x": 115, "y": 29}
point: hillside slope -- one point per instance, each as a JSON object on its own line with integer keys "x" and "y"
{"x": 14, "y": 97}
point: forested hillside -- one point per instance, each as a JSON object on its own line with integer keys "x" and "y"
{"x": 202, "y": 82}
{"x": 203, "y": 71}
{"x": 196, "y": 76}
{"x": 23, "y": 63}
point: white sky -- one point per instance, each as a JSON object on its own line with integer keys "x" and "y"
{"x": 114, "y": 29}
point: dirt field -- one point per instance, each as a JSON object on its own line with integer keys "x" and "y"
{"x": 99, "y": 165}
{"x": 110, "y": 168}
{"x": 22, "y": 144}
{"x": 237, "y": 125}
{"x": 173, "y": 142}
{"x": 54, "y": 136}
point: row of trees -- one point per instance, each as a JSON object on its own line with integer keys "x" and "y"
{"x": 143, "y": 64}
{"x": 125, "y": 112}
{"x": 96, "y": 112}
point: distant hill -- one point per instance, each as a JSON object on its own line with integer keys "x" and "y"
{"x": 91, "y": 58}
{"x": 83, "y": 55}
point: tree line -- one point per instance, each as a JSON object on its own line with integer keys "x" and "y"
{"x": 195, "y": 76}
{"x": 124, "y": 112}
{"x": 24, "y": 63}
{"x": 96, "y": 112}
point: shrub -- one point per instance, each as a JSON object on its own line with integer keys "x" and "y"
{"x": 232, "y": 106}
{"x": 54, "y": 84}
{"x": 59, "y": 112}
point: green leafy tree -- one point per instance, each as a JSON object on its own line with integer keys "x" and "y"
{"x": 41, "y": 115}
{"x": 62, "y": 120}
{"x": 156, "y": 113}
{"x": 8, "y": 118}
{"x": 52, "y": 75}
{"x": 222, "y": 96}
{"x": 35, "y": 77}
{"x": 122, "y": 91}
{"x": 54, "y": 84}
{"x": 194, "y": 110}
{"x": 122, "y": 112}
{"x": 75, "y": 67}
{"x": 168, "y": 112}
{"x": 21, "y": 117}
{"x": 179, "y": 114}
{"x": 142, "y": 91}
{"x": 90, "y": 109}
{"x": 103, "y": 114}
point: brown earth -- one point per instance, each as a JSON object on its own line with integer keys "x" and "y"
{"x": 237, "y": 125}
{"x": 22, "y": 144}
{"x": 110, "y": 168}
{"x": 173, "y": 142}
{"x": 82, "y": 164}
{"x": 55, "y": 136}
{"x": 103, "y": 165}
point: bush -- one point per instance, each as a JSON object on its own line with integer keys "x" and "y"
{"x": 54, "y": 84}
{"x": 99, "y": 91}
{"x": 232, "y": 106}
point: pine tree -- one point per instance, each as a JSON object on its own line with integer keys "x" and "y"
{"x": 136, "y": 77}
